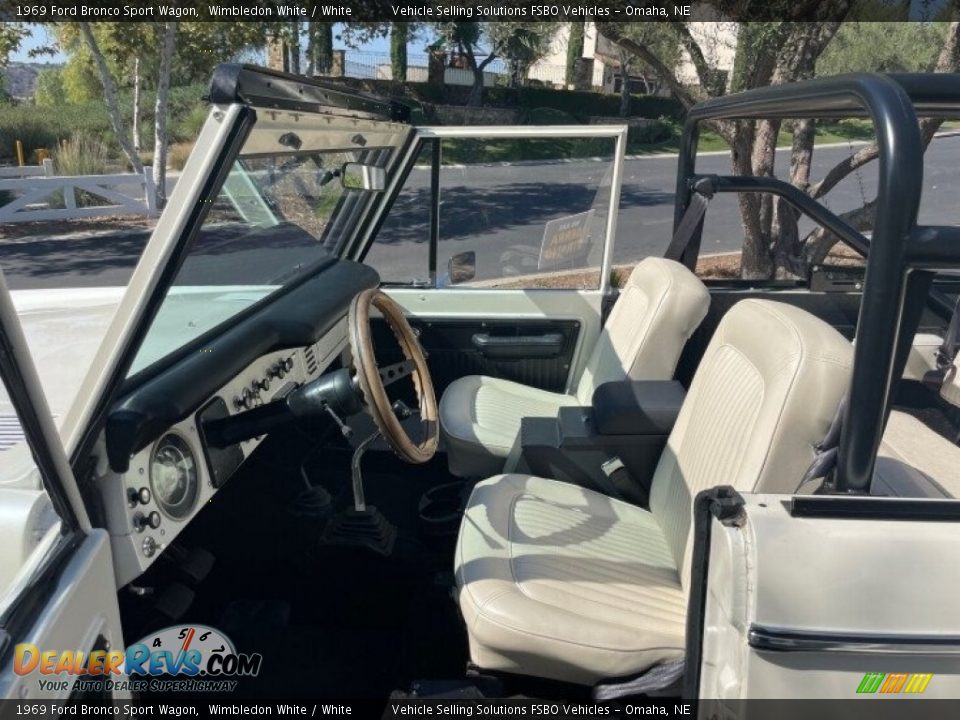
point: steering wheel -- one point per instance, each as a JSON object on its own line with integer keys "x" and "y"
{"x": 373, "y": 380}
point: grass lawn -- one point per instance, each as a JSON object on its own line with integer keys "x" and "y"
{"x": 833, "y": 132}
{"x": 468, "y": 151}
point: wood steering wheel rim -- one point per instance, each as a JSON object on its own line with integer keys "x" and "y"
{"x": 371, "y": 384}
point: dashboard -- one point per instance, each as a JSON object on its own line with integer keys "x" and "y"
{"x": 161, "y": 470}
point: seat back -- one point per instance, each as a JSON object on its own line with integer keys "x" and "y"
{"x": 762, "y": 398}
{"x": 658, "y": 309}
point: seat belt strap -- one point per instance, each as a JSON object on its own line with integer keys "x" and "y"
{"x": 938, "y": 380}
{"x": 703, "y": 191}
{"x": 659, "y": 680}
{"x": 947, "y": 354}
{"x": 825, "y": 459}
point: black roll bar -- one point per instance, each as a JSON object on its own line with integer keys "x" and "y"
{"x": 895, "y": 244}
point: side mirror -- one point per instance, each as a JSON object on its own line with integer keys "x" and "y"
{"x": 363, "y": 177}
{"x": 462, "y": 267}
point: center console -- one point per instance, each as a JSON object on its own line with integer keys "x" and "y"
{"x": 613, "y": 446}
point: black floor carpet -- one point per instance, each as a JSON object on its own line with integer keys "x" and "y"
{"x": 330, "y": 622}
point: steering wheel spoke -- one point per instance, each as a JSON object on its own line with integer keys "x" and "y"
{"x": 398, "y": 371}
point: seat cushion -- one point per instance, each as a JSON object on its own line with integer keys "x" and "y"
{"x": 914, "y": 461}
{"x": 561, "y": 582}
{"x": 480, "y": 420}
{"x": 659, "y": 307}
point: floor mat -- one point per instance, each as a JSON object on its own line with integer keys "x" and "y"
{"x": 330, "y": 622}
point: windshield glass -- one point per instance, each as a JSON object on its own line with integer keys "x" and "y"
{"x": 297, "y": 191}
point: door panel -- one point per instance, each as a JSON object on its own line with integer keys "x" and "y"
{"x": 531, "y": 352}
{"x": 61, "y": 591}
{"x": 82, "y": 614}
{"x": 535, "y": 337}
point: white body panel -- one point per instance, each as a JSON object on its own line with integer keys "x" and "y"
{"x": 821, "y": 577}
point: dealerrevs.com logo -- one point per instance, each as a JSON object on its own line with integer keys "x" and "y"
{"x": 894, "y": 683}
{"x": 196, "y": 653}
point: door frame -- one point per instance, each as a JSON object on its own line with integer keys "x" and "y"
{"x": 434, "y": 135}
{"x": 70, "y": 571}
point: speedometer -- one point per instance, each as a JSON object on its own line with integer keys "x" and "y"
{"x": 173, "y": 476}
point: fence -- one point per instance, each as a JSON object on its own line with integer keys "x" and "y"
{"x": 37, "y": 198}
{"x": 43, "y": 170}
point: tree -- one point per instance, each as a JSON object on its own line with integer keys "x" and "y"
{"x": 319, "y": 48}
{"x": 357, "y": 34}
{"x": 399, "y": 37}
{"x": 814, "y": 247}
{"x": 49, "y": 90}
{"x": 659, "y": 39}
{"x": 574, "y": 50}
{"x": 160, "y": 142}
{"x": 108, "y": 55}
{"x": 293, "y": 47}
{"x": 521, "y": 43}
{"x": 110, "y": 96}
{"x": 883, "y": 47}
{"x": 766, "y": 53}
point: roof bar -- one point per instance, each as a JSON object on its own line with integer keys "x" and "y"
{"x": 886, "y": 102}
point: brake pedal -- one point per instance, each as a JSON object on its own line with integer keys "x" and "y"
{"x": 195, "y": 563}
{"x": 174, "y": 602}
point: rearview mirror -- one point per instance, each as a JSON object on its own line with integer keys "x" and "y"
{"x": 363, "y": 177}
{"x": 462, "y": 267}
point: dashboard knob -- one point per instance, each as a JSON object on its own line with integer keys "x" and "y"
{"x": 262, "y": 384}
{"x": 287, "y": 364}
{"x": 149, "y": 546}
{"x": 278, "y": 369}
{"x": 138, "y": 497}
{"x": 142, "y": 522}
{"x": 244, "y": 400}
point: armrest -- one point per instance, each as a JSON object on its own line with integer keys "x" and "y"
{"x": 641, "y": 407}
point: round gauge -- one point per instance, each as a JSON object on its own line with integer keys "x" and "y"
{"x": 173, "y": 476}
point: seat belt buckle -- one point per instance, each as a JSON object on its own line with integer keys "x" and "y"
{"x": 611, "y": 466}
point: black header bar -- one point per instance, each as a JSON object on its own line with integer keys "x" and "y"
{"x": 619, "y": 11}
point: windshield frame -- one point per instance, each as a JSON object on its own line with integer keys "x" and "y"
{"x": 218, "y": 145}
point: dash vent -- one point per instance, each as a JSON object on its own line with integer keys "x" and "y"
{"x": 311, "y": 360}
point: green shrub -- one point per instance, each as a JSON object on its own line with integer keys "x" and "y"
{"x": 584, "y": 104}
{"x": 45, "y": 128}
{"x": 83, "y": 154}
{"x": 188, "y": 127}
{"x": 548, "y": 116}
{"x": 580, "y": 104}
{"x": 657, "y": 131}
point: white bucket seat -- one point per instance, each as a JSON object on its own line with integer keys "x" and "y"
{"x": 657, "y": 311}
{"x": 561, "y": 582}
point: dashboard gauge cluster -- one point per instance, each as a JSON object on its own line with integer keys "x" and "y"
{"x": 173, "y": 476}
{"x": 170, "y": 480}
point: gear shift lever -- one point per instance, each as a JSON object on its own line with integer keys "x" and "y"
{"x": 362, "y": 524}
{"x": 359, "y": 503}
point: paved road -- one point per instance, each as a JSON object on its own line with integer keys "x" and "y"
{"x": 491, "y": 209}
